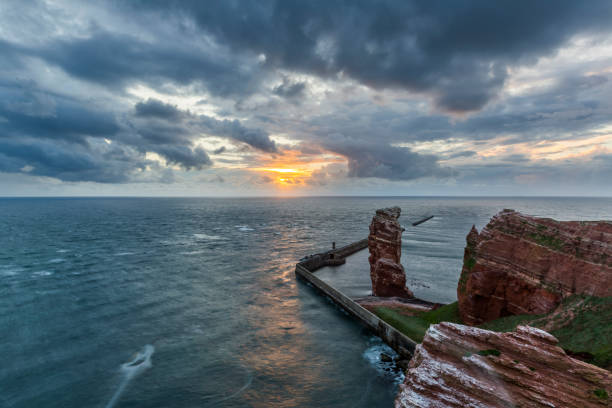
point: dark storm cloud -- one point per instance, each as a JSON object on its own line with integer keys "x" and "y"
{"x": 184, "y": 156}
{"x": 117, "y": 60}
{"x": 157, "y": 109}
{"x": 289, "y": 89}
{"x": 27, "y": 111}
{"x": 175, "y": 122}
{"x": 372, "y": 159}
{"x": 67, "y": 162}
{"x": 458, "y": 52}
{"x": 233, "y": 129}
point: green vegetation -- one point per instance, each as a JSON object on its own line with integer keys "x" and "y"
{"x": 509, "y": 323}
{"x": 583, "y": 326}
{"x": 489, "y": 352}
{"x": 416, "y": 326}
{"x": 547, "y": 241}
{"x": 590, "y": 331}
{"x": 601, "y": 394}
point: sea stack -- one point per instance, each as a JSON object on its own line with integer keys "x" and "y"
{"x": 385, "y": 245}
{"x": 526, "y": 265}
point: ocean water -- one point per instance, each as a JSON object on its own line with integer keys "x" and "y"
{"x": 179, "y": 302}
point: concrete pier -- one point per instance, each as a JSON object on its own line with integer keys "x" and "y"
{"x": 306, "y": 269}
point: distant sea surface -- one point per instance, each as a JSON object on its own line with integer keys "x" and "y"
{"x": 180, "y": 302}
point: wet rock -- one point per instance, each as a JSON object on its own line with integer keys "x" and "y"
{"x": 525, "y": 265}
{"x": 461, "y": 366}
{"x": 403, "y": 364}
{"x": 385, "y": 245}
{"x": 385, "y": 358}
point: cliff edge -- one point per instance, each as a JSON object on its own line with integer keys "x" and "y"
{"x": 459, "y": 366}
{"x": 525, "y": 265}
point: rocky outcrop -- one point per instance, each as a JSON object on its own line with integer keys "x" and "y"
{"x": 525, "y": 265}
{"x": 385, "y": 244}
{"x": 461, "y": 366}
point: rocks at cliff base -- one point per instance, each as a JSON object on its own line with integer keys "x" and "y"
{"x": 385, "y": 245}
{"x": 525, "y": 265}
{"x": 461, "y": 366}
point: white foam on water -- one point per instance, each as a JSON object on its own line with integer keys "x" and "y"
{"x": 243, "y": 228}
{"x": 246, "y": 385}
{"x": 140, "y": 363}
{"x": 124, "y": 253}
{"x": 56, "y": 260}
{"x": 207, "y": 237}
{"x": 385, "y": 369}
{"x": 9, "y": 270}
{"x": 43, "y": 273}
{"x": 61, "y": 251}
{"x": 191, "y": 252}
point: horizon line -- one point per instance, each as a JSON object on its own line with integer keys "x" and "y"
{"x": 305, "y": 196}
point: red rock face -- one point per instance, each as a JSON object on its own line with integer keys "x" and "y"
{"x": 460, "y": 366}
{"x": 385, "y": 245}
{"x": 526, "y": 265}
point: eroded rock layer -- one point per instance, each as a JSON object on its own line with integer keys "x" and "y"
{"x": 385, "y": 245}
{"x": 461, "y": 366}
{"x": 525, "y": 265}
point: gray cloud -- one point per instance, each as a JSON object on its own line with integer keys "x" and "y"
{"x": 68, "y": 162}
{"x": 176, "y": 122}
{"x": 372, "y": 159}
{"x": 459, "y": 53}
{"x": 288, "y": 89}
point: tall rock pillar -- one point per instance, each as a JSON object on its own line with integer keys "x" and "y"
{"x": 385, "y": 245}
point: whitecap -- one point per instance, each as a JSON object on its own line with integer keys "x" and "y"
{"x": 124, "y": 253}
{"x": 207, "y": 237}
{"x": 56, "y": 260}
{"x": 131, "y": 369}
{"x": 191, "y": 252}
{"x": 61, "y": 251}
{"x": 9, "y": 270}
{"x": 43, "y": 273}
{"x": 384, "y": 368}
{"x": 244, "y": 228}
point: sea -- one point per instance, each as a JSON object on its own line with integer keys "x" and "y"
{"x": 193, "y": 302}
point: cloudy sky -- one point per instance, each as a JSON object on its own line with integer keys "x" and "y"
{"x": 224, "y": 98}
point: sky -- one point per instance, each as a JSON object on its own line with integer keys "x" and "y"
{"x": 291, "y": 98}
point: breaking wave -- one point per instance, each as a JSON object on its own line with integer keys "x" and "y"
{"x": 385, "y": 369}
{"x": 207, "y": 237}
{"x": 131, "y": 369}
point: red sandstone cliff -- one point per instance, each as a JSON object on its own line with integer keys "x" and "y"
{"x": 525, "y": 265}
{"x": 385, "y": 245}
{"x": 460, "y": 366}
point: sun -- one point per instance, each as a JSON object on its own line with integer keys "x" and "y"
{"x": 287, "y": 177}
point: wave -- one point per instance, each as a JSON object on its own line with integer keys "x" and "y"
{"x": 56, "y": 260}
{"x": 385, "y": 369}
{"x": 207, "y": 237}
{"x": 43, "y": 273}
{"x": 10, "y": 270}
{"x": 244, "y": 387}
{"x": 140, "y": 363}
{"x": 124, "y": 253}
{"x": 244, "y": 228}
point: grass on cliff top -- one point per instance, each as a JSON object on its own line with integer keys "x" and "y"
{"x": 416, "y": 326}
{"x": 583, "y": 326}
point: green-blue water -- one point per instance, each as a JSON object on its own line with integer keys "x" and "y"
{"x": 204, "y": 290}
